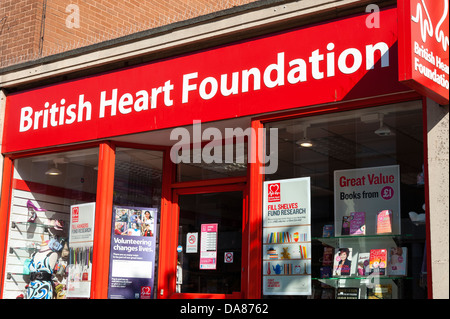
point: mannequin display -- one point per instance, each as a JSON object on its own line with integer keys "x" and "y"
{"x": 41, "y": 272}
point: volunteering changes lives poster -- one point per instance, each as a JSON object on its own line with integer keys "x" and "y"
{"x": 373, "y": 193}
{"x": 132, "y": 260}
{"x": 287, "y": 237}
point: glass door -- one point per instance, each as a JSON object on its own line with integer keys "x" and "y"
{"x": 210, "y": 242}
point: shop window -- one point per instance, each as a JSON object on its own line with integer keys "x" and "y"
{"x": 356, "y": 162}
{"x": 135, "y": 225}
{"x": 52, "y": 194}
{"x": 217, "y": 159}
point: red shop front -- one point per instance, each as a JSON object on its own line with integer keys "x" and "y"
{"x": 150, "y": 181}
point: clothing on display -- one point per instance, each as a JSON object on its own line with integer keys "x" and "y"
{"x": 41, "y": 272}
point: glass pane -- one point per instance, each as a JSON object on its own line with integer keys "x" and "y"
{"x": 216, "y": 269}
{"x": 45, "y": 190}
{"x": 213, "y": 161}
{"x": 136, "y": 220}
{"x": 360, "y": 141}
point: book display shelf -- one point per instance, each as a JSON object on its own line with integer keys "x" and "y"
{"x": 363, "y": 266}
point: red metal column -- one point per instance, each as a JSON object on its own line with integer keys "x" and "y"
{"x": 103, "y": 218}
{"x": 255, "y": 213}
{"x": 4, "y": 216}
{"x": 167, "y": 253}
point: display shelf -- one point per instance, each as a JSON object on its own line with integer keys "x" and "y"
{"x": 29, "y": 249}
{"x": 45, "y": 226}
{"x": 365, "y": 278}
{"x": 363, "y": 236}
{"x": 284, "y": 259}
{"x": 10, "y": 274}
{"x": 387, "y": 239}
{"x": 15, "y": 224}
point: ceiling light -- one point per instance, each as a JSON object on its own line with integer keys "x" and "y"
{"x": 54, "y": 171}
{"x": 383, "y": 130}
{"x": 305, "y": 142}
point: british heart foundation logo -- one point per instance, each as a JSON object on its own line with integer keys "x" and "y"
{"x": 274, "y": 192}
{"x": 75, "y": 214}
{"x": 146, "y": 292}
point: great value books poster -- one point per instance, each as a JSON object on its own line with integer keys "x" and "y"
{"x": 287, "y": 237}
{"x": 367, "y": 192}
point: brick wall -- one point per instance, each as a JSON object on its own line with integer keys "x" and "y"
{"x": 20, "y": 22}
{"x": 25, "y": 34}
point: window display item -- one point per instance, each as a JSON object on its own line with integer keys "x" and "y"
{"x": 342, "y": 265}
{"x": 345, "y": 225}
{"x": 378, "y": 261}
{"x": 397, "y": 261}
{"x": 26, "y": 266}
{"x": 379, "y": 292}
{"x": 327, "y": 259}
{"x": 384, "y": 222}
{"x": 55, "y": 245}
{"x": 347, "y": 293}
{"x": 363, "y": 264}
{"x": 32, "y": 209}
{"x": 358, "y": 223}
{"x": 328, "y": 231}
{"x": 41, "y": 272}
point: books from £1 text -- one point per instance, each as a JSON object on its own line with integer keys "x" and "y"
{"x": 397, "y": 261}
{"x": 378, "y": 261}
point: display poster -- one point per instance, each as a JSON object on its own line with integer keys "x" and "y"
{"x": 367, "y": 193}
{"x": 81, "y": 243}
{"x": 208, "y": 246}
{"x": 133, "y": 248}
{"x": 287, "y": 237}
{"x": 191, "y": 242}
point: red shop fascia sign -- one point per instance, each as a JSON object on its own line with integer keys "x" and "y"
{"x": 335, "y": 61}
{"x": 424, "y": 47}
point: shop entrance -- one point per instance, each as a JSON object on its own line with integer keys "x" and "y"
{"x": 211, "y": 224}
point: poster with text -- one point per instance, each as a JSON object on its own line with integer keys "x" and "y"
{"x": 208, "y": 246}
{"x": 287, "y": 237}
{"x": 372, "y": 191}
{"x": 133, "y": 248}
{"x": 81, "y": 243}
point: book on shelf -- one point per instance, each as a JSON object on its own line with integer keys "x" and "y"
{"x": 363, "y": 264}
{"x": 347, "y": 293}
{"x": 327, "y": 257}
{"x": 342, "y": 264}
{"x": 325, "y": 272}
{"x": 345, "y": 225}
{"x": 384, "y": 222}
{"x": 358, "y": 223}
{"x": 328, "y": 231}
{"x": 379, "y": 292}
{"x": 397, "y": 261}
{"x": 286, "y": 237}
{"x": 303, "y": 251}
{"x": 272, "y": 253}
{"x": 378, "y": 261}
